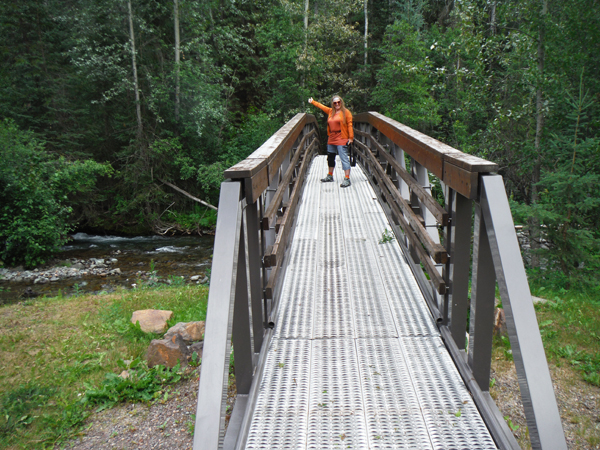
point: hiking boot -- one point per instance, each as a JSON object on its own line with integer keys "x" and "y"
{"x": 346, "y": 182}
{"x": 327, "y": 179}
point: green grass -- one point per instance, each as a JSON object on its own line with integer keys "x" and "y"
{"x": 60, "y": 359}
{"x": 570, "y": 327}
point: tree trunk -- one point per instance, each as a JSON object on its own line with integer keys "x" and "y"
{"x": 539, "y": 128}
{"x": 493, "y": 19}
{"x": 135, "y": 75}
{"x": 177, "y": 53}
{"x": 306, "y": 5}
{"x": 366, "y": 31}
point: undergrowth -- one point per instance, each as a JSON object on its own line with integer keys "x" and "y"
{"x": 570, "y": 327}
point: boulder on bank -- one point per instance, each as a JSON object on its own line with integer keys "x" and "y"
{"x": 152, "y": 320}
{"x": 167, "y": 352}
{"x": 189, "y": 331}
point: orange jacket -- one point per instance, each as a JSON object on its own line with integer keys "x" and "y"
{"x": 348, "y": 131}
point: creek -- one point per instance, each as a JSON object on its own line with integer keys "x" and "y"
{"x": 94, "y": 264}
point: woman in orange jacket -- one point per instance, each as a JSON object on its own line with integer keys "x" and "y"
{"x": 341, "y": 134}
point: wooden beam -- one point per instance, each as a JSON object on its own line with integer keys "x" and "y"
{"x": 432, "y": 205}
{"x": 274, "y": 256}
{"x": 436, "y": 279}
{"x": 271, "y": 211}
{"x": 456, "y": 169}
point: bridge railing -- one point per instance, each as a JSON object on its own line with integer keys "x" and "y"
{"x": 256, "y": 210}
{"x": 449, "y": 249}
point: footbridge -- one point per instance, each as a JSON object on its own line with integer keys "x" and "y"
{"x": 362, "y": 317}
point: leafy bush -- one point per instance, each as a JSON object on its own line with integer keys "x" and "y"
{"x": 200, "y": 218}
{"x": 34, "y": 196}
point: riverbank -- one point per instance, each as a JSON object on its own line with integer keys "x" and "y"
{"x": 53, "y": 351}
{"x": 103, "y": 264}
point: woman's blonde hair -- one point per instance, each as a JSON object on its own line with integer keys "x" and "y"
{"x": 342, "y": 109}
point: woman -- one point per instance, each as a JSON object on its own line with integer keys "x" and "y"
{"x": 341, "y": 134}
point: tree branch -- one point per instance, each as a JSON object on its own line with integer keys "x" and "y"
{"x": 187, "y": 194}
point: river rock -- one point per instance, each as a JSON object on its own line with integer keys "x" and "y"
{"x": 189, "y": 331}
{"x": 194, "y": 277}
{"x": 167, "y": 352}
{"x": 197, "y": 347}
{"x": 152, "y": 320}
{"x": 29, "y": 293}
{"x": 500, "y": 323}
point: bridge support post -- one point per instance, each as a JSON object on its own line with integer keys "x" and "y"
{"x": 483, "y": 290}
{"x": 537, "y": 392}
{"x": 212, "y": 392}
{"x": 254, "y": 265}
{"x": 242, "y": 344}
{"x": 458, "y": 246}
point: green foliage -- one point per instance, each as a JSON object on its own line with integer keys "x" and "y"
{"x": 35, "y": 193}
{"x": 141, "y": 384}
{"x": 19, "y": 406}
{"x": 204, "y": 218}
{"x": 386, "y": 236}
{"x": 403, "y": 90}
{"x": 569, "y": 203}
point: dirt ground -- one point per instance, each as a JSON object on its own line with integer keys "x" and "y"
{"x": 169, "y": 424}
{"x": 578, "y": 403}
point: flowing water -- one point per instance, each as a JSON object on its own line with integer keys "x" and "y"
{"x": 168, "y": 256}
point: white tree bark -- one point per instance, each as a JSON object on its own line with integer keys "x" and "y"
{"x": 135, "y": 75}
{"x": 306, "y": 4}
{"x": 177, "y": 54}
{"x": 366, "y": 31}
{"x": 539, "y": 128}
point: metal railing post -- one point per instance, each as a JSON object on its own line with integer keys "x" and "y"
{"x": 242, "y": 343}
{"x": 212, "y": 391}
{"x": 254, "y": 265}
{"x": 459, "y": 250}
{"x": 483, "y": 290}
{"x": 537, "y": 392}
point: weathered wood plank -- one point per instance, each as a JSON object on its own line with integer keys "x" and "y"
{"x": 282, "y": 140}
{"x": 425, "y": 149}
{"x": 257, "y": 184}
{"x": 271, "y": 283}
{"x": 275, "y": 255}
{"x": 279, "y": 156}
{"x": 461, "y": 180}
{"x": 271, "y": 211}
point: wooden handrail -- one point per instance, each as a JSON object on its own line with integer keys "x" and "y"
{"x": 271, "y": 211}
{"x": 456, "y": 169}
{"x": 259, "y": 169}
{"x": 274, "y": 255}
{"x": 434, "y": 207}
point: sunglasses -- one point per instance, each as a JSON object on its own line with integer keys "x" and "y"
{"x": 337, "y": 103}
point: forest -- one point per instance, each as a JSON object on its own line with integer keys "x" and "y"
{"x": 104, "y": 104}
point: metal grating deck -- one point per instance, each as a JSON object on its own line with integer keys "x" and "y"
{"x": 356, "y": 360}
